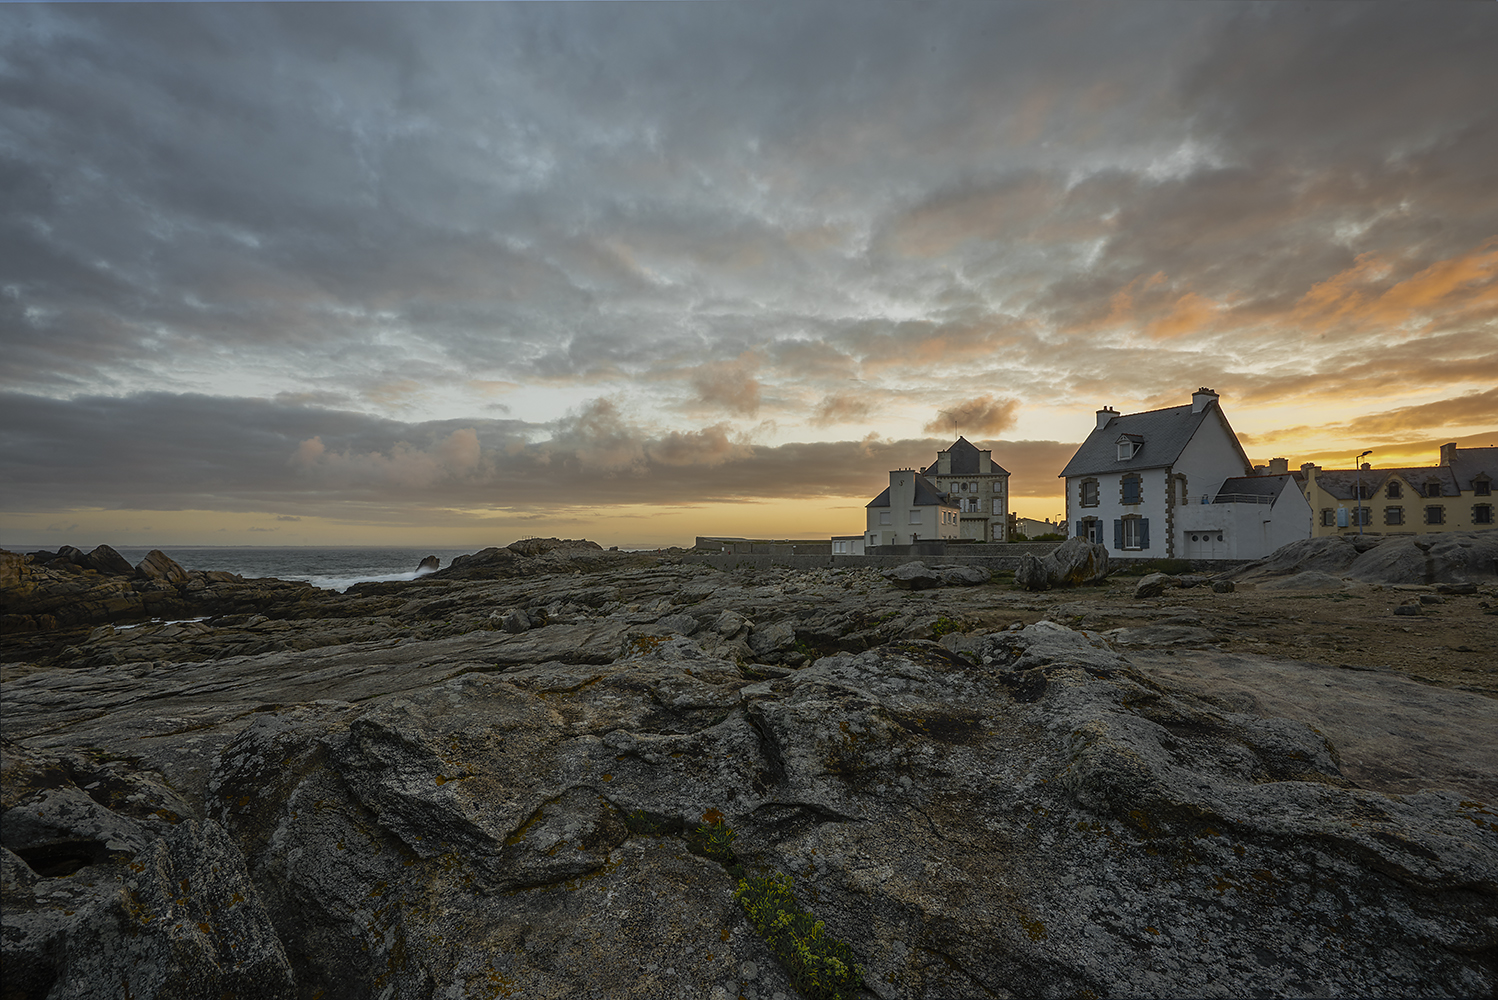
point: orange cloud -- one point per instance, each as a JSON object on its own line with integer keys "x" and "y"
{"x": 728, "y": 386}
{"x": 984, "y": 415}
{"x": 1458, "y": 285}
{"x": 841, "y": 408}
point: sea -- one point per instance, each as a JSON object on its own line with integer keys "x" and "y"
{"x": 336, "y": 568}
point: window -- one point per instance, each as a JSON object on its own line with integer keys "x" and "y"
{"x": 915, "y": 517}
{"x": 1393, "y": 515}
{"x": 871, "y": 539}
{"x": 1395, "y": 491}
{"x": 998, "y": 506}
{"x": 1482, "y": 514}
{"x": 998, "y": 487}
{"x": 884, "y": 517}
{"x": 1435, "y": 515}
{"x": 1091, "y": 529}
{"x": 1133, "y": 533}
{"x": 1328, "y": 517}
{"x": 839, "y": 547}
{"x": 1362, "y": 516}
{"x": 1127, "y": 448}
{"x": 1363, "y": 491}
{"x": 1482, "y": 487}
{"x": 1131, "y": 489}
{"x": 1089, "y": 493}
{"x": 1432, "y": 489}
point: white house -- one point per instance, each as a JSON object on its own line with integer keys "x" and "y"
{"x": 911, "y": 509}
{"x": 1175, "y": 483}
{"x": 978, "y": 484}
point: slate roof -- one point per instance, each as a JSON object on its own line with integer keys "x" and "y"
{"x": 1259, "y": 486}
{"x": 1470, "y": 463}
{"x": 926, "y": 495}
{"x": 1342, "y": 483}
{"x": 1165, "y": 434}
{"x": 964, "y": 461}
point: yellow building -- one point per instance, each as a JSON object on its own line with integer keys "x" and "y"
{"x": 1455, "y": 495}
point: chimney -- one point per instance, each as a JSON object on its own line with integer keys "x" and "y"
{"x": 1104, "y": 415}
{"x": 1279, "y": 466}
{"x": 1200, "y": 398}
{"x": 1448, "y": 453}
{"x": 1309, "y": 468}
{"x": 944, "y": 463}
{"x": 985, "y": 462}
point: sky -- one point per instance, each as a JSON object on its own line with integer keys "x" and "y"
{"x": 456, "y": 274}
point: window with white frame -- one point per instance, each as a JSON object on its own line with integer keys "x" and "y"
{"x": 915, "y": 517}
{"x": 884, "y": 517}
{"x": 1133, "y": 532}
{"x": 998, "y": 506}
{"x": 1089, "y": 493}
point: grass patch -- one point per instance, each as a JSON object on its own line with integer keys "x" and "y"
{"x": 820, "y": 966}
{"x": 943, "y": 625}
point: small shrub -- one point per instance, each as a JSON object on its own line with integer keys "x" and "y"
{"x": 714, "y": 841}
{"x": 641, "y": 822}
{"x": 820, "y": 966}
{"x": 944, "y": 625}
{"x": 1049, "y": 536}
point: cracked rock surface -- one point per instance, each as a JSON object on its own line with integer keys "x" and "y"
{"x": 483, "y": 786}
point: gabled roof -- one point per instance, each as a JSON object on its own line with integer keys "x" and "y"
{"x": 1164, "y": 433}
{"x": 1342, "y": 483}
{"x": 926, "y": 495}
{"x": 1469, "y": 463}
{"x": 964, "y": 461}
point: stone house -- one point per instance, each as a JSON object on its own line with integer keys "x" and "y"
{"x": 1175, "y": 483}
{"x": 978, "y": 484}
{"x": 1454, "y": 495}
{"x": 911, "y": 509}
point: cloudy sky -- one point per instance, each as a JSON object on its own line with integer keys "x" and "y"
{"x": 459, "y": 273}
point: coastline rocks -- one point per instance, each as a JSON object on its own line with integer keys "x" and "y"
{"x": 109, "y": 562}
{"x": 1073, "y": 563}
{"x": 1452, "y": 558}
{"x": 428, "y": 565}
{"x": 914, "y": 576}
{"x": 541, "y": 546}
{"x": 157, "y": 565}
{"x": 1154, "y": 584}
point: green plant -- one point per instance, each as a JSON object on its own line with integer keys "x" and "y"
{"x": 714, "y": 841}
{"x": 810, "y": 652}
{"x": 1049, "y": 536}
{"x": 641, "y": 822}
{"x": 820, "y": 966}
{"x": 943, "y": 625}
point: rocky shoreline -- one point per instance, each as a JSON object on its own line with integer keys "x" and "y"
{"x": 490, "y": 781}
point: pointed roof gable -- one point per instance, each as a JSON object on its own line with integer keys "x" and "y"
{"x": 1161, "y": 435}
{"x": 964, "y": 461}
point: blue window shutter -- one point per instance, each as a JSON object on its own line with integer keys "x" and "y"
{"x": 1118, "y": 535}
{"x": 1081, "y": 528}
{"x": 1144, "y": 532}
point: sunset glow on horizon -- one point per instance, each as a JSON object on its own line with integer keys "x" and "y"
{"x": 451, "y": 275}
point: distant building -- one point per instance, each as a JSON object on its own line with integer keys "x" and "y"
{"x": 847, "y": 545}
{"x": 1454, "y": 495}
{"x": 978, "y": 484}
{"x": 911, "y": 509}
{"x": 1175, "y": 483}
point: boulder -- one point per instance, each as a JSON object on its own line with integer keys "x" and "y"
{"x": 963, "y": 576}
{"x": 109, "y": 562}
{"x": 1154, "y": 585}
{"x": 776, "y": 638}
{"x": 1457, "y": 557}
{"x": 1073, "y": 563}
{"x": 428, "y": 565}
{"x": 157, "y": 565}
{"x": 540, "y": 546}
{"x": 914, "y": 576}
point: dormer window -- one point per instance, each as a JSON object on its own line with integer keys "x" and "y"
{"x": 1128, "y": 446}
{"x": 1482, "y": 486}
{"x": 1433, "y": 488}
{"x": 1394, "y": 492}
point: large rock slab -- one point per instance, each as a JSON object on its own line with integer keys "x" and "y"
{"x": 1073, "y": 563}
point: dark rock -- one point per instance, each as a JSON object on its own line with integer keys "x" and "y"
{"x": 109, "y": 562}
{"x": 1154, "y": 585}
{"x": 963, "y": 576}
{"x": 540, "y": 546}
{"x": 428, "y": 565}
{"x": 1409, "y": 609}
{"x": 1456, "y": 588}
{"x": 1223, "y": 586}
{"x": 157, "y": 565}
{"x": 914, "y": 576}
{"x": 1431, "y": 599}
{"x": 1073, "y": 563}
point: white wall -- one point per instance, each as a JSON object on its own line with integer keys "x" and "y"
{"x": 1208, "y": 459}
{"x": 1248, "y": 530}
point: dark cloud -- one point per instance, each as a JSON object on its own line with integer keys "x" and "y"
{"x": 237, "y": 454}
{"x": 984, "y": 415}
{"x": 379, "y": 215}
